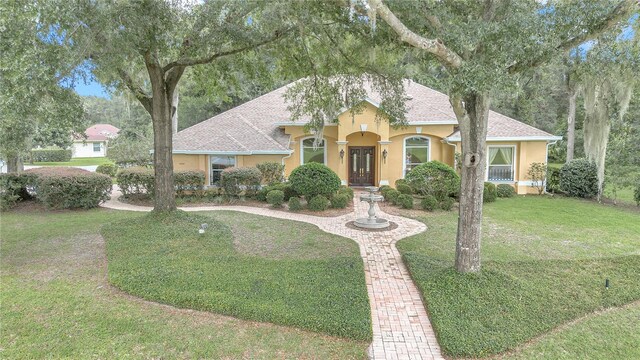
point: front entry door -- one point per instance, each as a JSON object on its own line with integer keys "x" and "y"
{"x": 361, "y": 165}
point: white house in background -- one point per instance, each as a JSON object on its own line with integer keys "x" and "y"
{"x": 95, "y": 144}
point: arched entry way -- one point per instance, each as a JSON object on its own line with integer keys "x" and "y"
{"x": 362, "y": 169}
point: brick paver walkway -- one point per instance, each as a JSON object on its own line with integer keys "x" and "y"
{"x": 401, "y": 328}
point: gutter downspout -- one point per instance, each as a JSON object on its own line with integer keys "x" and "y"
{"x": 546, "y": 161}
{"x": 288, "y": 156}
{"x": 446, "y": 141}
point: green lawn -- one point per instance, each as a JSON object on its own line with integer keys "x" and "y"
{"x": 56, "y": 302}
{"x": 77, "y": 162}
{"x": 545, "y": 261}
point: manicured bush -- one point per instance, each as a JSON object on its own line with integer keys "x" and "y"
{"x": 107, "y": 169}
{"x": 13, "y": 188}
{"x": 579, "y": 178}
{"x": 136, "y": 181}
{"x": 294, "y": 204}
{"x": 384, "y": 188}
{"x": 340, "y": 201}
{"x": 505, "y": 191}
{"x": 51, "y": 155}
{"x": 636, "y": 195}
{"x": 284, "y": 187}
{"x": 347, "y": 191}
{"x": 189, "y": 182}
{"x": 404, "y": 189}
{"x": 553, "y": 180}
{"x": 447, "y": 204}
{"x": 314, "y": 179}
{"x": 490, "y": 194}
{"x": 272, "y": 172}
{"x": 318, "y": 203}
{"x": 405, "y": 201}
{"x": 275, "y": 198}
{"x": 235, "y": 180}
{"x": 70, "y": 188}
{"x": 400, "y": 182}
{"x": 392, "y": 195}
{"x": 434, "y": 178}
{"x": 429, "y": 203}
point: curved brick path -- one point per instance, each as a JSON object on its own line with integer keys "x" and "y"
{"x": 401, "y": 328}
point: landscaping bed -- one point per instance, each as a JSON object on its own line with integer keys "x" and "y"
{"x": 545, "y": 262}
{"x": 163, "y": 258}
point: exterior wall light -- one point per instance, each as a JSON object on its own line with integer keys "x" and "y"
{"x": 384, "y": 155}
{"x": 342, "y": 156}
{"x": 363, "y": 129}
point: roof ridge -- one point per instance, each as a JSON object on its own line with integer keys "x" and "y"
{"x": 254, "y": 127}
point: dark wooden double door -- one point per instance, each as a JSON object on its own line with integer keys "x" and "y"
{"x": 362, "y": 165}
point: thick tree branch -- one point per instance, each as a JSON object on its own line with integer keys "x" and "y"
{"x": 445, "y": 55}
{"x": 137, "y": 91}
{"x": 621, "y": 12}
{"x": 205, "y": 60}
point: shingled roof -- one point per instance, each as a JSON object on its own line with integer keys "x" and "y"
{"x": 256, "y": 127}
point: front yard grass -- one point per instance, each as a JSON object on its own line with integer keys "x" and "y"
{"x": 276, "y": 271}
{"x": 545, "y": 261}
{"x": 56, "y": 303}
{"x": 78, "y": 162}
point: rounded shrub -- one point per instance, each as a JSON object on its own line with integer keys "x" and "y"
{"x": 314, "y": 179}
{"x": 404, "y": 189}
{"x": 405, "y": 201}
{"x": 434, "y": 178}
{"x": 136, "y": 181}
{"x": 384, "y": 188}
{"x": 107, "y": 169}
{"x": 490, "y": 194}
{"x": 272, "y": 172}
{"x": 70, "y": 188}
{"x": 340, "y": 201}
{"x": 429, "y": 203}
{"x": 346, "y": 191}
{"x": 447, "y": 204}
{"x": 318, "y": 203}
{"x": 391, "y": 195}
{"x": 294, "y": 204}
{"x": 275, "y": 198}
{"x": 189, "y": 182}
{"x": 235, "y": 180}
{"x": 579, "y": 178}
{"x": 284, "y": 187}
{"x": 505, "y": 191}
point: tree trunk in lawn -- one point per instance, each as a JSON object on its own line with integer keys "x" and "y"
{"x": 175, "y": 99}
{"x": 14, "y": 164}
{"x": 571, "y": 123}
{"x": 472, "y": 111}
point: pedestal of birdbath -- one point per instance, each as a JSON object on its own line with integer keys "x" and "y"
{"x": 371, "y": 222}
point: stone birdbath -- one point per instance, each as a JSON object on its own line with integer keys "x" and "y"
{"x": 371, "y": 222}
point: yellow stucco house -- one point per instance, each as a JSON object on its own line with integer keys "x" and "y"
{"x": 360, "y": 150}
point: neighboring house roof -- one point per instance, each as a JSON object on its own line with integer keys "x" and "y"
{"x": 256, "y": 126}
{"x": 100, "y": 132}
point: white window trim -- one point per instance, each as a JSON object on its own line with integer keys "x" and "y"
{"x": 235, "y": 163}
{"x": 513, "y": 165}
{"x": 94, "y": 147}
{"x": 324, "y": 141}
{"x": 404, "y": 150}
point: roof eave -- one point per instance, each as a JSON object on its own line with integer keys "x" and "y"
{"x": 513, "y": 138}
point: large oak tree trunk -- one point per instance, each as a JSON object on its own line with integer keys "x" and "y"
{"x": 473, "y": 115}
{"x": 571, "y": 123}
{"x": 14, "y": 164}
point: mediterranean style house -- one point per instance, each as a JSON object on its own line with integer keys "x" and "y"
{"x": 361, "y": 150}
{"x": 96, "y": 141}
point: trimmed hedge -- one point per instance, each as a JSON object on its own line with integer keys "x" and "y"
{"x": 51, "y": 155}
{"x": 346, "y": 191}
{"x": 391, "y": 195}
{"x": 505, "y": 191}
{"x": 490, "y": 194}
{"x": 405, "y": 201}
{"x": 284, "y": 187}
{"x": 136, "y": 181}
{"x": 235, "y": 180}
{"x": 294, "y": 204}
{"x": 340, "y": 201}
{"x": 275, "y": 198}
{"x": 107, "y": 169}
{"x": 318, "y": 203}
{"x": 579, "y": 178}
{"x": 189, "y": 182}
{"x": 70, "y": 188}
{"x": 429, "y": 203}
{"x": 434, "y": 178}
{"x": 13, "y": 188}
{"x": 272, "y": 172}
{"x": 404, "y": 189}
{"x": 314, "y": 179}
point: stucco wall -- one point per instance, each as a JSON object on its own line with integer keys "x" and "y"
{"x": 81, "y": 150}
